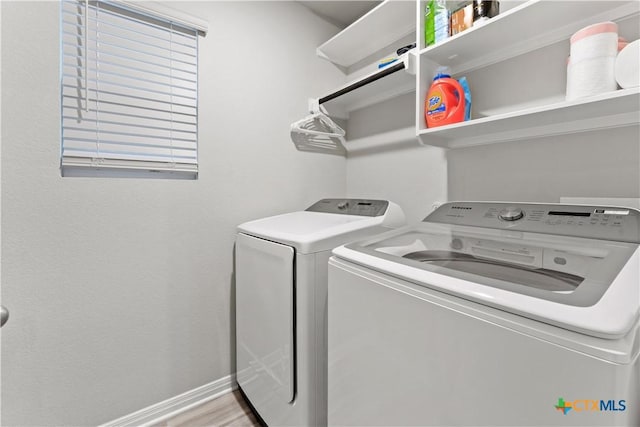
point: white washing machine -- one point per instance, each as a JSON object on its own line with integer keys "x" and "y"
{"x": 489, "y": 314}
{"x": 281, "y": 297}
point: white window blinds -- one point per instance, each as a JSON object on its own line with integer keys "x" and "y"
{"x": 129, "y": 92}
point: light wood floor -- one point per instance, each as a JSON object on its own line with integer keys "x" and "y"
{"x": 227, "y": 410}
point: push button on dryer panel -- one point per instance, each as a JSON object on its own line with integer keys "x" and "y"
{"x": 560, "y": 261}
{"x": 456, "y": 244}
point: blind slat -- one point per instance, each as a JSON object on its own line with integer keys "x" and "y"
{"x": 131, "y": 125}
{"x": 106, "y": 131}
{"x": 137, "y": 45}
{"x": 111, "y": 154}
{"x": 107, "y": 87}
{"x": 71, "y": 113}
{"x": 125, "y": 67}
{"x": 128, "y": 97}
{"x": 116, "y": 98}
{"x": 103, "y": 72}
{"x": 79, "y": 28}
{"x": 72, "y": 53}
{"x": 75, "y": 102}
{"x": 85, "y": 144}
{"x": 71, "y": 162}
{"x": 126, "y": 51}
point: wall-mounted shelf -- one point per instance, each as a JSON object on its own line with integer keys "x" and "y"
{"x": 386, "y": 23}
{"x": 522, "y": 27}
{"x": 393, "y": 80}
{"x": 614, "y": 109}
{"x": 537, "y": 23}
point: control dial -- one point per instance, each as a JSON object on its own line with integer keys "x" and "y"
{"x": 343, "y": 205}
{"x": 511, "y": 213}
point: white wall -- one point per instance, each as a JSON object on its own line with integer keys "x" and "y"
{"x": 413, "y": 176}
{"x": 120, "y": 290}
{"x": 599, "y": 164}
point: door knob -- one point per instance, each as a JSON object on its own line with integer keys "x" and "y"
{"x": 4, "y": 315}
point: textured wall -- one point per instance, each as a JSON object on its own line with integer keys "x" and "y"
{"x": 411, "y": 175}
{"x": 120, "y": 290}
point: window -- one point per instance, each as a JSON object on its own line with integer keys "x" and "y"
{"x": 129, "y": 92}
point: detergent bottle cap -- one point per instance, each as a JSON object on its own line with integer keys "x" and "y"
{"x": 441, "y": 76}
{"x": 442, "y": 72}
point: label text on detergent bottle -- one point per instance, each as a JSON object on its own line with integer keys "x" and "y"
{"x": 435, "y": 104}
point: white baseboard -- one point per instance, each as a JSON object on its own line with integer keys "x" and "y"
{"x": 175, "y": 405}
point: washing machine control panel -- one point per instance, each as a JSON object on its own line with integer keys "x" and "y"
{"x": 597, "y": 222}
{"x": 359, "y": 207}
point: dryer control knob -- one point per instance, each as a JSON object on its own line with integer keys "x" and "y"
{"x": 511, "y": 213}
{"x": 343, "y": 205}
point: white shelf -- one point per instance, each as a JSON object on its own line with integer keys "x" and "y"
{"x": 614, "y": 109}
{"x": 386, "y": 87}
{"x": 386, "y": 23}
{"x": 524, "y": 28}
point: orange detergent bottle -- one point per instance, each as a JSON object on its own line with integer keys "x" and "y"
{"x": 445, "y": 102}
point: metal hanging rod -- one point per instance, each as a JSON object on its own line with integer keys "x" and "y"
{"x": 401, "y": 65}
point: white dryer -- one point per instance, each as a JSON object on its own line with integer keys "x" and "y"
{"x": 489, "y": 314}
{"x": 281, "y": 297}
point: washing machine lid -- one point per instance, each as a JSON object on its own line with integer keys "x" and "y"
{"x": 327, "y": 223}
{"x": 573, "y": 266}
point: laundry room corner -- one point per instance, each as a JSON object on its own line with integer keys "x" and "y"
{"x": 319, "y": 213}
{"x": 414, "y": 176}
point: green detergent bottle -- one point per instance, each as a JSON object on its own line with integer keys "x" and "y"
{"x": 436, "y": 22}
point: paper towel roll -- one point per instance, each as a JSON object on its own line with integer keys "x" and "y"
{"x": 595, "y": 40}
{"x": 627, "y": 69}
{"x": 591, "y": 77}
{"x": 591, "y": 67}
